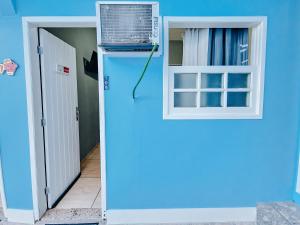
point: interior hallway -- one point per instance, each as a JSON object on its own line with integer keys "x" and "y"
{"x": 85, "y": 193}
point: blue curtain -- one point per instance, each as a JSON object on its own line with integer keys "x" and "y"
{"x": 228, "y": 46}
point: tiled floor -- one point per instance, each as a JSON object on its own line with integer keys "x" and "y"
{"x": 278, "y": 213}
{"x": 86, "y": 191}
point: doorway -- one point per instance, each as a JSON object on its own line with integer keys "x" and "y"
{"x": 69, "y": 84}
{"x": 89, "y": 170}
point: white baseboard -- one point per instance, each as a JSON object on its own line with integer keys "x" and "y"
{"x": 193, "y": 215}
{"x": 19, "y": 216}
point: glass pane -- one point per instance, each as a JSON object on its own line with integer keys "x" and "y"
{"x": 238, "y": 80}
{"x": 185, "y": 80}
{"x": 237, "y": 99}
{"x": 211, "y": 80}
{"x": 211, "y": 99}
{"x": 185, "y": 99}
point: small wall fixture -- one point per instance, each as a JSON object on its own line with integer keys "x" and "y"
{"x": 9, "y": 66}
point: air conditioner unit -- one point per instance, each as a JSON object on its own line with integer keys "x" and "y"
{"x": 128, "y": 26}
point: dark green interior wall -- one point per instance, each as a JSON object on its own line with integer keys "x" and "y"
{"x": 84, "y": 40}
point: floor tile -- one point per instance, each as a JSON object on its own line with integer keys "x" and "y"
{"x": 94, "y": 154}
{"x": 82, "y": 194}
{"x": 91, "y": 169}
{"x": 289, "y": 210}
{"x": 267, "y": 215}
{"x": 85, "y": 193}
{"x": 83, "y": 164}
{"x": 97, "y": 202}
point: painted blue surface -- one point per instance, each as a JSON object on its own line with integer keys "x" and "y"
{"x": 296, "y": 49}
{"x": 173, "y": 164}
{"x": 7, "y": 8}
{"x": 152, "y": 163}
{"x": 297, "y": 198}
{"x": 14, "y": 148}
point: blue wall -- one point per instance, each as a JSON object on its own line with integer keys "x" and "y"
{"x": 167, "y": 164}
{"x": 295, "y": 26}
{"x": 152, "y": 163}
{"x": 14, "y": 147}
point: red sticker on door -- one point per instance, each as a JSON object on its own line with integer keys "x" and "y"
{"x": 66, "y": 70}
{"x": 62, "y": 69}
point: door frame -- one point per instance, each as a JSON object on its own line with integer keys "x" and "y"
{"x": 32, "y": 77}
{"x": 2, "y": 191}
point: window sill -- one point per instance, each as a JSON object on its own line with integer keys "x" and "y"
{"x": 173, "y": 116}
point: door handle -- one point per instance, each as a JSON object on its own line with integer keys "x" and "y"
{"x": 77, "y": 113}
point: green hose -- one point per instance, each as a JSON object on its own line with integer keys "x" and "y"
{"x": 144, "y": 71}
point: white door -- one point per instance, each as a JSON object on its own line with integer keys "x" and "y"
{"x": 59, "y": 91}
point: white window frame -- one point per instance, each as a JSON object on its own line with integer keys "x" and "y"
{"x": 258, "y": 24}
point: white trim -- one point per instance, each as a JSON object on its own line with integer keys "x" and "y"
{"x": 31, "y": 113}
{"x": 2, "y": 192}
{"x": 102, "y": 127}
{"x": 258, "y": 52}
{"x": 102, "y": 134}
{"x": 56, "y": 21}
{"x": 194, "y": 215}
{"x": 20, "y": 216}
{"x": 61, "y": 21}
{"x": 127, "y": 2}
{"x": 214, "y": 21}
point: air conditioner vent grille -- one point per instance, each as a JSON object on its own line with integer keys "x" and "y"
{"x": 126, "y": 24}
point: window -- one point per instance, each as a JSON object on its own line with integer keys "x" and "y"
{"x": 214, "y": 67}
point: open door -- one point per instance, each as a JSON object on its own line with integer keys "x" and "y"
{"x": 60, "y": 114}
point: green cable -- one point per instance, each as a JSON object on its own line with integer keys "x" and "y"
{"x": 144, "y": 71}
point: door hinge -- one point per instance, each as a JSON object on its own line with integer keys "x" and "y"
{"x": 106, "y": 82}
{"x": 47, "y": 190}
{"x": 103, "y": 218}
{"x": 43, "y": 122}
{"x": 39, "y": 50}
